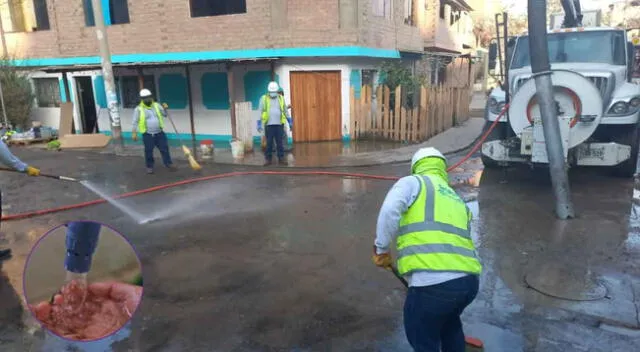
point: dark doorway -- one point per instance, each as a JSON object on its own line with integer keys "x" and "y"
{"x": 87, "y": 105}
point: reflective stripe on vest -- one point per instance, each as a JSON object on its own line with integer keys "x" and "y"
{"x": 142, "y": 121}
{"x": 267, "y": 107}
{"x": 427, "y": 243}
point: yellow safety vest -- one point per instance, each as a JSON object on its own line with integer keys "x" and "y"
{"x": 434, "y": 233}
{"x": 142, "y": 121}
{"x": 267, "y": 106}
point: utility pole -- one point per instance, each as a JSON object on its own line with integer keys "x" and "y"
{"x": 539, "y": 49}
{"x": 107, "y": 72}
{"x": 5, "y": 56}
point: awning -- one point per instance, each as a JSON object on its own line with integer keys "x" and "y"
{"x": 79, "y": 68}
{"x": 442, "y": 51}
{"x": 458, "y": 4}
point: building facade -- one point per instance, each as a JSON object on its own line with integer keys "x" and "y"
{"x": 199, "y": 56}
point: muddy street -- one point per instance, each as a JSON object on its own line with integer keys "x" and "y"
{"x": 283, "y": 263}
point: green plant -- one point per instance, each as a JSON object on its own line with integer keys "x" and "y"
{"x": 18, "y": 94}
{"x": 394, "y": 74}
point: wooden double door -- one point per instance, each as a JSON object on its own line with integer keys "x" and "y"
{"x": 316, "y": 105}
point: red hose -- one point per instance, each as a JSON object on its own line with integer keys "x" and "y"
{"x": 239, "y": 173}
{"x": 481, "y": 140}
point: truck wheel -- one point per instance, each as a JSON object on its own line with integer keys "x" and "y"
{"x": 630, "y": 137}
{"x": 496, "y": 134}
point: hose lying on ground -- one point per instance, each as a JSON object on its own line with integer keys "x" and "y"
{"x": 35, "y": 213}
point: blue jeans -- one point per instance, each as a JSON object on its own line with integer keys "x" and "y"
{"x": 274, "y": 132}
{"x": 432, "y": 314}
{"x": 152, "y": 141}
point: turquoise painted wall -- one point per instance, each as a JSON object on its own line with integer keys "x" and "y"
{"x": 63, "y": 94}
{"x": 173, "y": 90}
{"x": 215, "y": 91}
{"x": 255, "y": 86}
{"x": 99, "y": 91}
{"x": 356, "y": 82}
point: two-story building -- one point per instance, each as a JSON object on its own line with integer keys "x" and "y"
{"x": 199, "y": 56}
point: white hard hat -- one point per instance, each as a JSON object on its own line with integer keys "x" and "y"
{"x": 273, "y": 87}
{"x": 145, "y": 93}
{"x": 428, "y": 152}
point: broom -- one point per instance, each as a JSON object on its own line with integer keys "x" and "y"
{"x": 192, "y": 161}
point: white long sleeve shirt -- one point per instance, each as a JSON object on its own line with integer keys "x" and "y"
{"x": 10, "y": 160}
{"x": 400, "y": 197}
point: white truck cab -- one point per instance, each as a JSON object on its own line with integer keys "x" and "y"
{"x": 598, "y": 105}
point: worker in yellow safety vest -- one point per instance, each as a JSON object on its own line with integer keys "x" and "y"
{"x": 431, "y": 227}
{"x": 148, "y": 119}
{"x": 273, "y": 116}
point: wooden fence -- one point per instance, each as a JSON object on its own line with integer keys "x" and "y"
{"x": 435, "y": 110}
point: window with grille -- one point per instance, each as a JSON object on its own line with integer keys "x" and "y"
{"x": 206, "y": 8}
{"x": 130, "y": 89}
{"x": 47, "y": 92}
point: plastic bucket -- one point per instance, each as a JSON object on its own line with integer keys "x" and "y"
{"x": 237, "y": 149}
{"x": 206, "y": 149}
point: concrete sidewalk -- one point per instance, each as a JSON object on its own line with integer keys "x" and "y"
{"x": 450, "y": 141}
{"x": 327, "y": 155}
{"x": 333, "y": 154}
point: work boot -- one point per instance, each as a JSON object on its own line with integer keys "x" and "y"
{"x": 283, "y": 162}
{"x": 149, "y": 171}
{"x": 172, "y": 168}
{"x": 5, "y": 254}
{"x": 268, "y": 163}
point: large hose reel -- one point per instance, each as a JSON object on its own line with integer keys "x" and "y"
{"x": 576, "y": 98}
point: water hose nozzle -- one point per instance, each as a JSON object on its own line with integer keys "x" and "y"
{"x": 81, "y": 242}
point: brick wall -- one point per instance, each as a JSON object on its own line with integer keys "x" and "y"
{"x": 166, "y": 26}
{"x": 389, "y": 32}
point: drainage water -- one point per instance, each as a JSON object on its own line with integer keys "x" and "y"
{"x": 128, "y": 210}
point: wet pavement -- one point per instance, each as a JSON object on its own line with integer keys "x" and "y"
{"x": 366, "y": 152}
{"x": 282, "y": 263}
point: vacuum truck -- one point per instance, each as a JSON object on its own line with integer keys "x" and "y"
{"x": 597, "y": 102}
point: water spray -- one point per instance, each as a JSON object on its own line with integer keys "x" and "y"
{"x": 81, "y": 242}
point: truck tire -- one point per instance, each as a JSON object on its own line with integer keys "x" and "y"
{"x": 630, "y": 137}
{"x": 496, "y": 134}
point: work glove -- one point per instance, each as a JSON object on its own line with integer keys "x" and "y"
{"x": 382, "y": 260}
{"x": 165, "y": 106}
{"x": 134, "y": 136}
{"x": 32, "y": 171}
{"x": 290, "y": 121}
{"x": 259, "y": 126}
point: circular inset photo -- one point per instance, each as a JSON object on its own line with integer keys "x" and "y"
{"x": 83, "y": 281}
